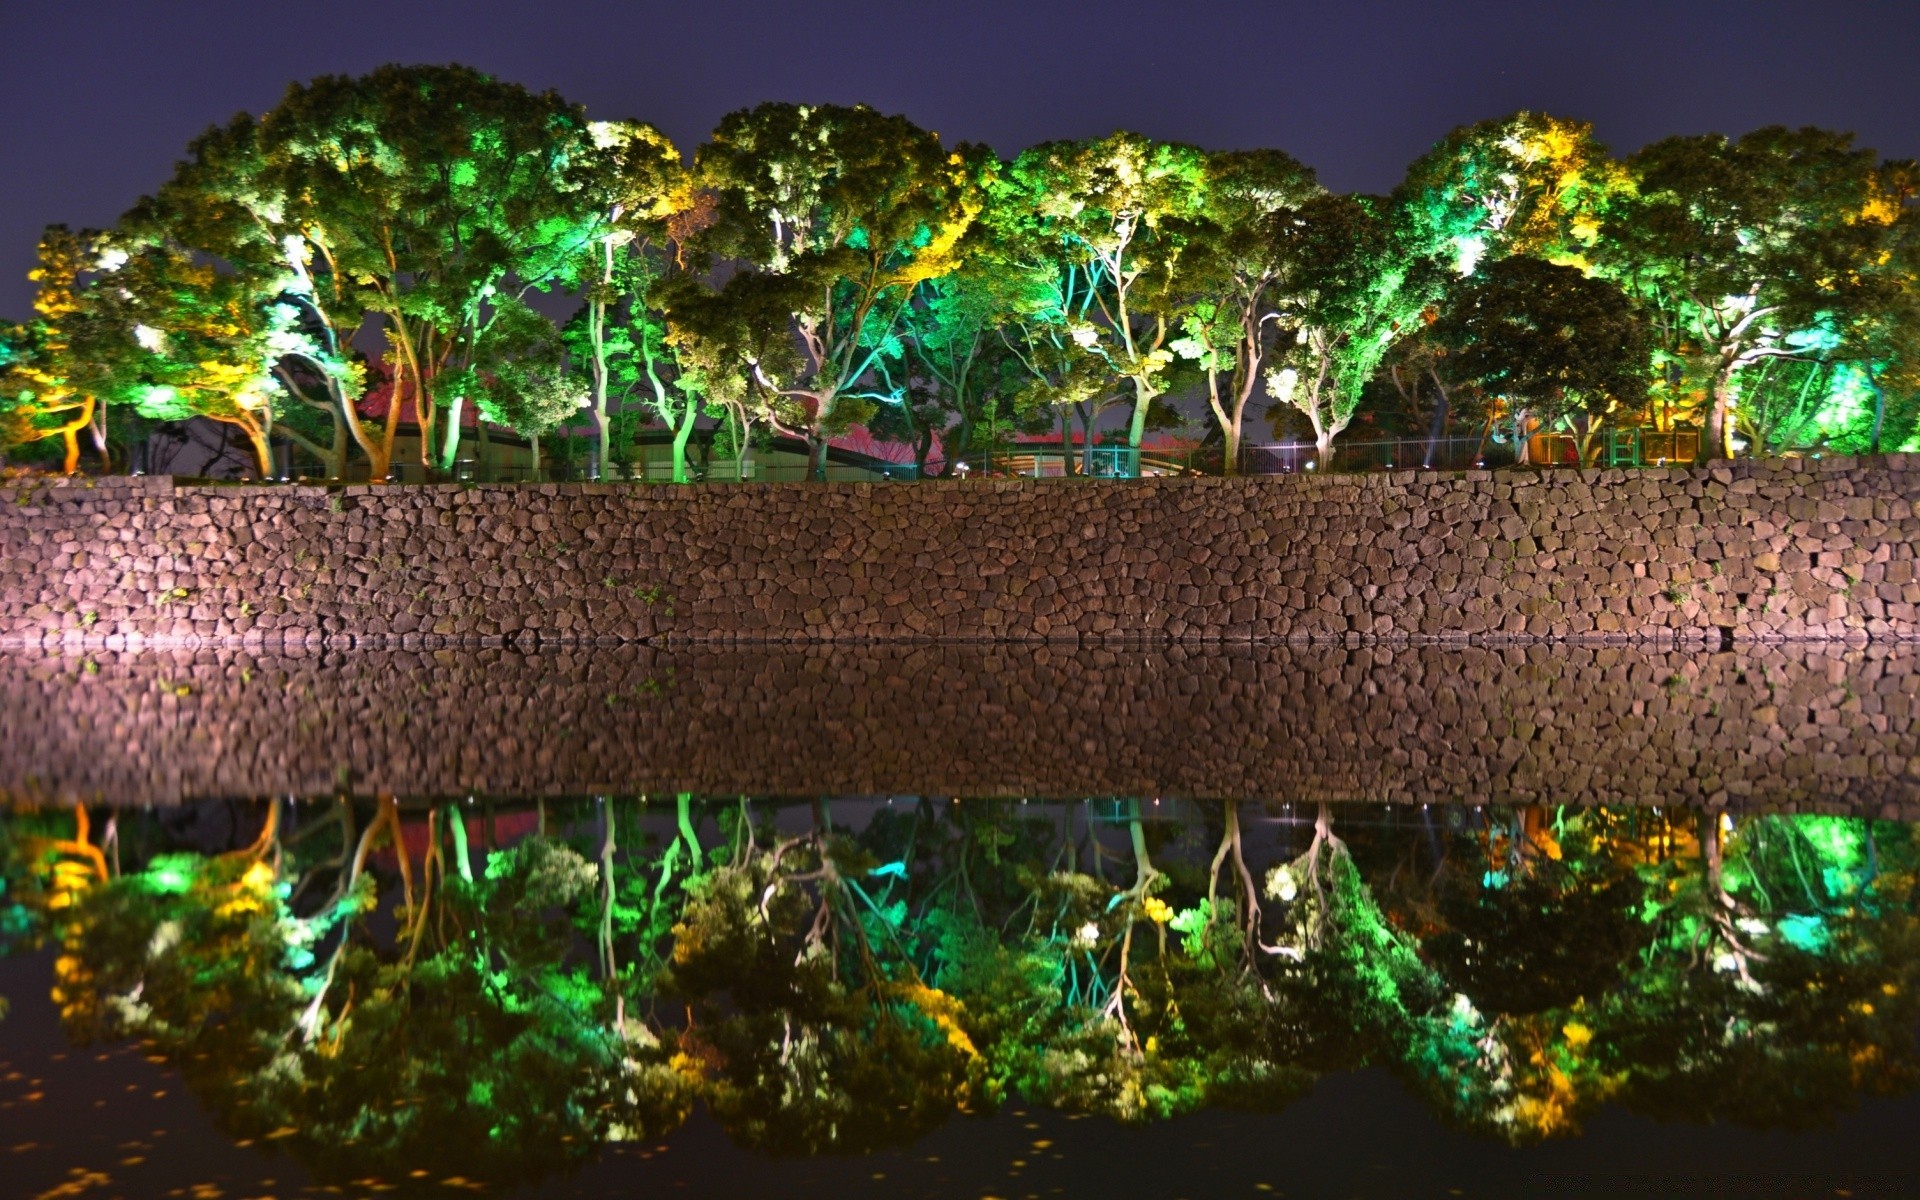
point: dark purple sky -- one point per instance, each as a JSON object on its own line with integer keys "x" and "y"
{"x": 100, "y": 97}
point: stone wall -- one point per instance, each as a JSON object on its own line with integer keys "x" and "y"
{"x": 1806, "y": 727}
{"x": 1802, "y": 549}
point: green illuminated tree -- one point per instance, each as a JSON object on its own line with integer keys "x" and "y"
{"x": 213, "y": 207}
{"x": 1047, "y": 320}
{"x": 847, "y": 990}
{"x": 1781, "y": 982}
{"x": 519, "y": 374}
{"x": 630, "y": 187}
{"x": 1869, "y": 362}
{"x": 1527, "y": 927}
{"x": 825, "y": 1035}
{"x": 958, "y": 381}
{"x": 1349, "y": 287}
{"x": 1735, "y": 249}
{"x": 1240, "y": 251}
{"x": 1109, "y": 216}
{"x": 1521, "y": 184}
{"x": 1790, "y": 403}
{"x": 409, "y": 196}
{"x": 176, "y": 339}
{"x": 850, "y": 210}
{"x": 471, "y": 1045}
{"x": 729, "y": 345}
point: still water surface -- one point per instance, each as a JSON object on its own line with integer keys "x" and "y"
{"x": 376, "y": 986}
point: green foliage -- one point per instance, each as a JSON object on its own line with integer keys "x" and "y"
{"x": 40, "y": 397}
{"x": 520, "y": 377}
{"x": 1101, "y": 225}
{"x": 1738, "y": 250}
{"x": 1352, "y": 283}
{"x": 841, "y": 213}
{"x": 411, "y": 196}
{"x": 1522, "y": 184}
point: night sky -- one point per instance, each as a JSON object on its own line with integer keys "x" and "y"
{"x": 100, "y": 98}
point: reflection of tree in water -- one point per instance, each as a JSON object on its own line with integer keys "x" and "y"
{"x": 1526, "y": 926}
{"x": 816, "y": 1029}
{"x": 457, "y": 1034}
{"x": 1764, "y": 972}
{"x": 1781, "y": 981}
{"x": 461, "y": 992}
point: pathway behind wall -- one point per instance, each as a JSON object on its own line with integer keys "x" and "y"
{"x": 1740, "y": 552}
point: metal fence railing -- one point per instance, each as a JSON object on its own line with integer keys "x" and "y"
{"x": 1390, "y": 454}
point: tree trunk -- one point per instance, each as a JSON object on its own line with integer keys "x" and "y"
{"x": 1718, "y": 442}
{"x": 957, "y": 447}
{"x": 262, "y": 453}
{"x": 596, "y": 325}
{"x": 682, "y": 434}
{"x": 450, "y": 452}
{"x": 70, "y": 435}
{"x": 683, "y": 819}
{"x": 423, "y": 411}
{"x": 336, "y": 460}
{"x": 1323, "y": 449}
{"x": 609, "y": 965}
{"x": 1230, "y": 462}
{"x": 98, "y": 428}
{"x": 1143, "y": 397}
{"x": 816, "y": 455}
{"x": 1137, "y": 837}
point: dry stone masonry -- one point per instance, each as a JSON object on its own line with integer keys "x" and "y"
{"x": 1824, "y": 727}
{"x": 1739, "y": 552}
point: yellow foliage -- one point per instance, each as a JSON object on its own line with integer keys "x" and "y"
{"x": 1881, "y": 209}
{"x": 943, "y": 1010}
{"x": 938, "y": 257}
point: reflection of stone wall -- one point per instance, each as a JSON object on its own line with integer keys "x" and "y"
{"x": 1751, "y": 551}
{"x": 1769, "y": 727}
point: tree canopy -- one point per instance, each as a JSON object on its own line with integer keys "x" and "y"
{"x": 330, "y": 273}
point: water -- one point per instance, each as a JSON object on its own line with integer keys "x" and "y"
{"x": 904, "y": 921}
